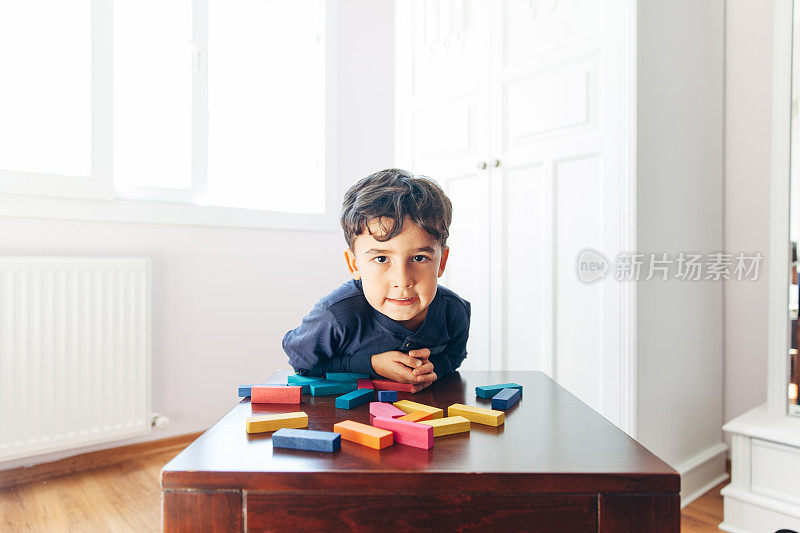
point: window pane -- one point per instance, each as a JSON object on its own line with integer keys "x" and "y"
{"x": 266, "y": 104}
{"x": 152, "y": 93}
{"x": 45, "y": 106}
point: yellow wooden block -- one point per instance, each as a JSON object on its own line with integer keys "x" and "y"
{"x": 417, "y": 416}
{"x": 408, "y": 406}
{"x": 447, "y": 425}
{"x": 479, "y": 415}
{"x": 263, "y": 423}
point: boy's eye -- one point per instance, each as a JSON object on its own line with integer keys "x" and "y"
{"x": 380, "y": 259}
{"x": 420, "y": 258}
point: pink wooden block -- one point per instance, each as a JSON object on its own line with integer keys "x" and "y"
{"x": 388, "y": 384}
{"x": 365, "y": 384}
{"x": 384, "y": 409}
{"x": 408, "y": 433}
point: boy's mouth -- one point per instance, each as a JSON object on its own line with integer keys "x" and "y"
{"x": 402, "y": 301}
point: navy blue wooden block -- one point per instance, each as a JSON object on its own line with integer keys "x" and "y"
{"x": 244, "y": 390}
{"x": 387, "y": 395}
{"x": 352, "y": 399}
{"x": 307, "y": 439}
{"x": 505, "y": 398}
{"x": 488, "y": 391}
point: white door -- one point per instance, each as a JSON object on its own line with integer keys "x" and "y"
{"x": 442, "y": 111}
{"x": 554, "y": 139}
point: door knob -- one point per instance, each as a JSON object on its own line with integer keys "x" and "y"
{"x": 495, "y": 162}
{"x": 481, "y": 165}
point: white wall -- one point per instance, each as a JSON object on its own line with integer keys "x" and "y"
{"x": 224, "y": 297}
{"x": 748, "y": 87}
{"x": 680, "y": 208}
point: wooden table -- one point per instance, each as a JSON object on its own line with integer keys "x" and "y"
{"x": 555, "y": 465}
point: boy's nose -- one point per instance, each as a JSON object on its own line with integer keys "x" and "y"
{"x": 401, "y": 278}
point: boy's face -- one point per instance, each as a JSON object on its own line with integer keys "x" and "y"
{"x": 399, "y": 275}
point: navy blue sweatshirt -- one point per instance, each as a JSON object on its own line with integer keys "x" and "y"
{"x": 343, "y": 331}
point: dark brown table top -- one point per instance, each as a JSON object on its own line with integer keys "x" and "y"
{"x": 550, "y": 442}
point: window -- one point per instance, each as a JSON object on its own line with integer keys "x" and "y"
{"x": 205, "y": 103}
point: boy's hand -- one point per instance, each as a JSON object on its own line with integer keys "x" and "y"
{"x": 426, "y": 367}
{"x": 403, "y": 368}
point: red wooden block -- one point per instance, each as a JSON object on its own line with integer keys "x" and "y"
{"x": 387, "y": 384}
{"x": 408, "y": 433}
{"x": 288, "y": 394}
{"x": 365, "y": 384}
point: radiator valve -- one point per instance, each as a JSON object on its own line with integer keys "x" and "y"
{"x": 158, "y": 421}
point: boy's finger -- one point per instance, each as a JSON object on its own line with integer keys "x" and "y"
{"x": 422, "y": 353}
{"x": 423, "y": 369}
{"x": 411, "y": 362}
{"x": 420, "y": 386}
{"x": 430, "y": 377}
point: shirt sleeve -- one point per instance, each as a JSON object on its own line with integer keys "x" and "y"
{"x": 315, "y": 346}
{"x": 456, "y": 350}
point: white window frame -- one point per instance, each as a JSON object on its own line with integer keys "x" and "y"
{"x": 27, "y": 194}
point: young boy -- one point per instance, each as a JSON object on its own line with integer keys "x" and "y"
{"x": 392, "y": 319}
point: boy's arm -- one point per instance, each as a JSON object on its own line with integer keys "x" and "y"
{"x": 314, "y": 347}
{"x": 456, "y": 351}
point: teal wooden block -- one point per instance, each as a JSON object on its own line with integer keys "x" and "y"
{"x": 303, "y": 381}
{"x": 326, "y": 388}
{"x": 489, "y": 391}
{"x": 357, "y": 397}
{"x": 344, "y": 376}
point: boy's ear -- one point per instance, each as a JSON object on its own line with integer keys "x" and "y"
{"x": 350, "y": 258}
{"x": 443, "y": 262}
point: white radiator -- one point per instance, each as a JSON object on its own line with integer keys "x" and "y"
{"x": 74, "y": 352}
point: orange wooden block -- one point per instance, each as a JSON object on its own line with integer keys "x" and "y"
{"x": 363, "y": 434}
{"x": 416, "y": 416}
{"x": 281, "y": 394}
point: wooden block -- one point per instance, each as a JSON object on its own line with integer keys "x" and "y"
{"x": 479, "y": 415}
{"x": 505, "y": 398}
{"x": 365, "y": 384}
{"x": 327, "y": 388}
{"x": 447, "y": 425}
{"x": 384, "y": 409}
{"x": 244, "y": 390}
{"x": 263, "y": 423}
{"x": 417, "y": 416}
{"x": 408, "y": 406}
{"x": 276, "y": 394}
{"x": 387, "y": 384}
{"x": 344, "y": 376}
{"x": 363, "y": 434}
{"x": 488, "y": 391}
{"x": 354, "y": 398}
{"x": 387, "y": 396}
{"x": 306, "y": 439}
{"x": 407, "y": 433}
{"x": 303, "y": 381}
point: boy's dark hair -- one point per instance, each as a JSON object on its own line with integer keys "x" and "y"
{"x": 394, "y": 194}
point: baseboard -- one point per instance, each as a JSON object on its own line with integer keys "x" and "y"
{"x": 88, "y": 461}
{"x": 702, "y": 472}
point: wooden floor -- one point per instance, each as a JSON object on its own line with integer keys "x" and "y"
{"x": 127, "y": 497}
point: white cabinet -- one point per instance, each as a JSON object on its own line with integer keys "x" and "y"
{"x": 558, "y": 126}
{"x": 764, "y": 494}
